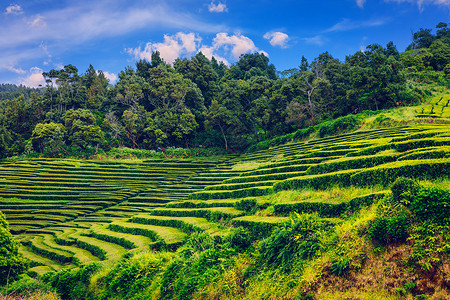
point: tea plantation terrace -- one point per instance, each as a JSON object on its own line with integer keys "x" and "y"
{"x": 67, "y": 213}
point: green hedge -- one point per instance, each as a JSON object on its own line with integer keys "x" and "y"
{"x": 113, "y": 239}
{"x": 348, "y": 163}
{"x": 290, "y": 162}
{"x": 285, "y": 169}
{"x": 237, "y": 186}
{"x": 259, "y": 227}
{"x": 328, "y": 209}
{"x": 414, "y": 144}
{"x": 62, "y": 258}
{"x": 95, "y": 250}
{"x": 427, "y": 153}
{"x": 180, "y": 224}
{"x": 158, "y": 244}
{"x": 370, "y": 150}
{"x": 386, "y": 174}
{"x": 269, "y": 177}
{"x": 322, "y": 181}
{"x": 210, "y": 215}
{"x": 242, "y": 193}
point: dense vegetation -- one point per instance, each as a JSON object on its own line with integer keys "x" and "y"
{"x": 342, "y": 203}
{"x": 200, "y": 102}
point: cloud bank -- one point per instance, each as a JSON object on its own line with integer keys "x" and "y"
{"x": 188, "y": 44}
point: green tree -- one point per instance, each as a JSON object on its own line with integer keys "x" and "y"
{"x": 131, "y": 126}
{"x": 81, "y": 129}
{"x": 440, "y": 52}
{"x": 5, "y": 137}
{"x": 12, "y": 263}
{"x": 49, "y": 138}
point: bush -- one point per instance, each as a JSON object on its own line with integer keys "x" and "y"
{"x": 403, "y": 190}
{"x": 431, "y": 203}
{"x": 296, "y": 240}
{"x": 12, "y": 263}
{"x": 247, "y": 205}
{"x": 239, "y": 239}
{"x": 386, "y": 230}
{"x": 72, "y": 284}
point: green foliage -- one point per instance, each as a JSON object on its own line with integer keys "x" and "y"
{"x": 72, "y": 284}
{"x": 386, "y": 230}
{"x": 247, "y": 205}
{"x": 403, "y": 190}
{"x": 132, "y": 276}
{"x": 431, "y": 203}
{"x": 12, "y": 263}
{"x": 201, "y": 261}
{"x": 341, "y": 266}
{"x": 239, "y": 239}
{"x": 290, "y": 243}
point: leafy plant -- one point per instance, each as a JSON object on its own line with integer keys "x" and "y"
{"x": 299, "y": 238}
{"x": 341, "y": 266}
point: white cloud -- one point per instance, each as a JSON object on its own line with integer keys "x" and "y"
{"x": 315, "y": 40}
{"x": 279, "y": 39}
{"x": 217, "y": 8}
{"x": 88, "y": 20}
{"x": 347, "y": 24}
{"x": 14, "y": 9}
{"x": 172, "y": 48}
{"x": 238, "y": 43}
{"x": 185, "y": 44}
{"x": 422, "y": 3}
{"x": 110, "y": 76}
{"x": 209, "y": 53}
{"x": 360, "y": 3}
{"x": 15, "y": 70}
{"x": 34, "y": 79}
{"x": 38, "y": 21}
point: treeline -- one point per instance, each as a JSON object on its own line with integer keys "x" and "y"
{"x": 199, "y": 102}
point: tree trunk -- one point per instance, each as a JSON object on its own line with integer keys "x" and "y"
{"x": 224, "y": 137}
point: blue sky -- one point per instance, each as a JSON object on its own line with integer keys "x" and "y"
{"x": 37, "y": 36}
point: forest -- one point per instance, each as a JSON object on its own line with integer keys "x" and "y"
{"x": 199, "y": 103}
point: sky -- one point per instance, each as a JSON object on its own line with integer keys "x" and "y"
{"x": 39, "y": 35}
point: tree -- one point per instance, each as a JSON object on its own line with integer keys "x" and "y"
{"x": 12, "y": 263}
{"x": 391, "y": 50}
{"x": 131, "y": 127}
{"x": 218, "y": 116}
{"x": 81, "y": 129}
{"x": 5, "y": 137}
{"x": 200, "y": 71}
{"x": 255, "y": 64}
{"x": 421, "y": 39}
{"x": 49, "y": 138}
{"x": 440, "y": 52}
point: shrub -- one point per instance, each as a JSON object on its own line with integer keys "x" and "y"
{"x": 431, "y": 203}
{"x": 403, "y": 190}
{"x": 72, "y": 284}
{"x": 12, "y": 263}
{"x": 296, "y": 240}
{"x": 341, "y": 266}
{"x": 239, "y": 239}
{"x": 386, "y": 230}
{"x": 247, "y": 205}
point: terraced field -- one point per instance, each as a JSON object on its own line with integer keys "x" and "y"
{"x": 68, "y": 212}
{"x": 439, "y": 106}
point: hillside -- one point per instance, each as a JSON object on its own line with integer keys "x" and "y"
{"x": 219, "y": 212}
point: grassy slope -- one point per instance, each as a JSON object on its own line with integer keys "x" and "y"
{"x": 160, "y": 192}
